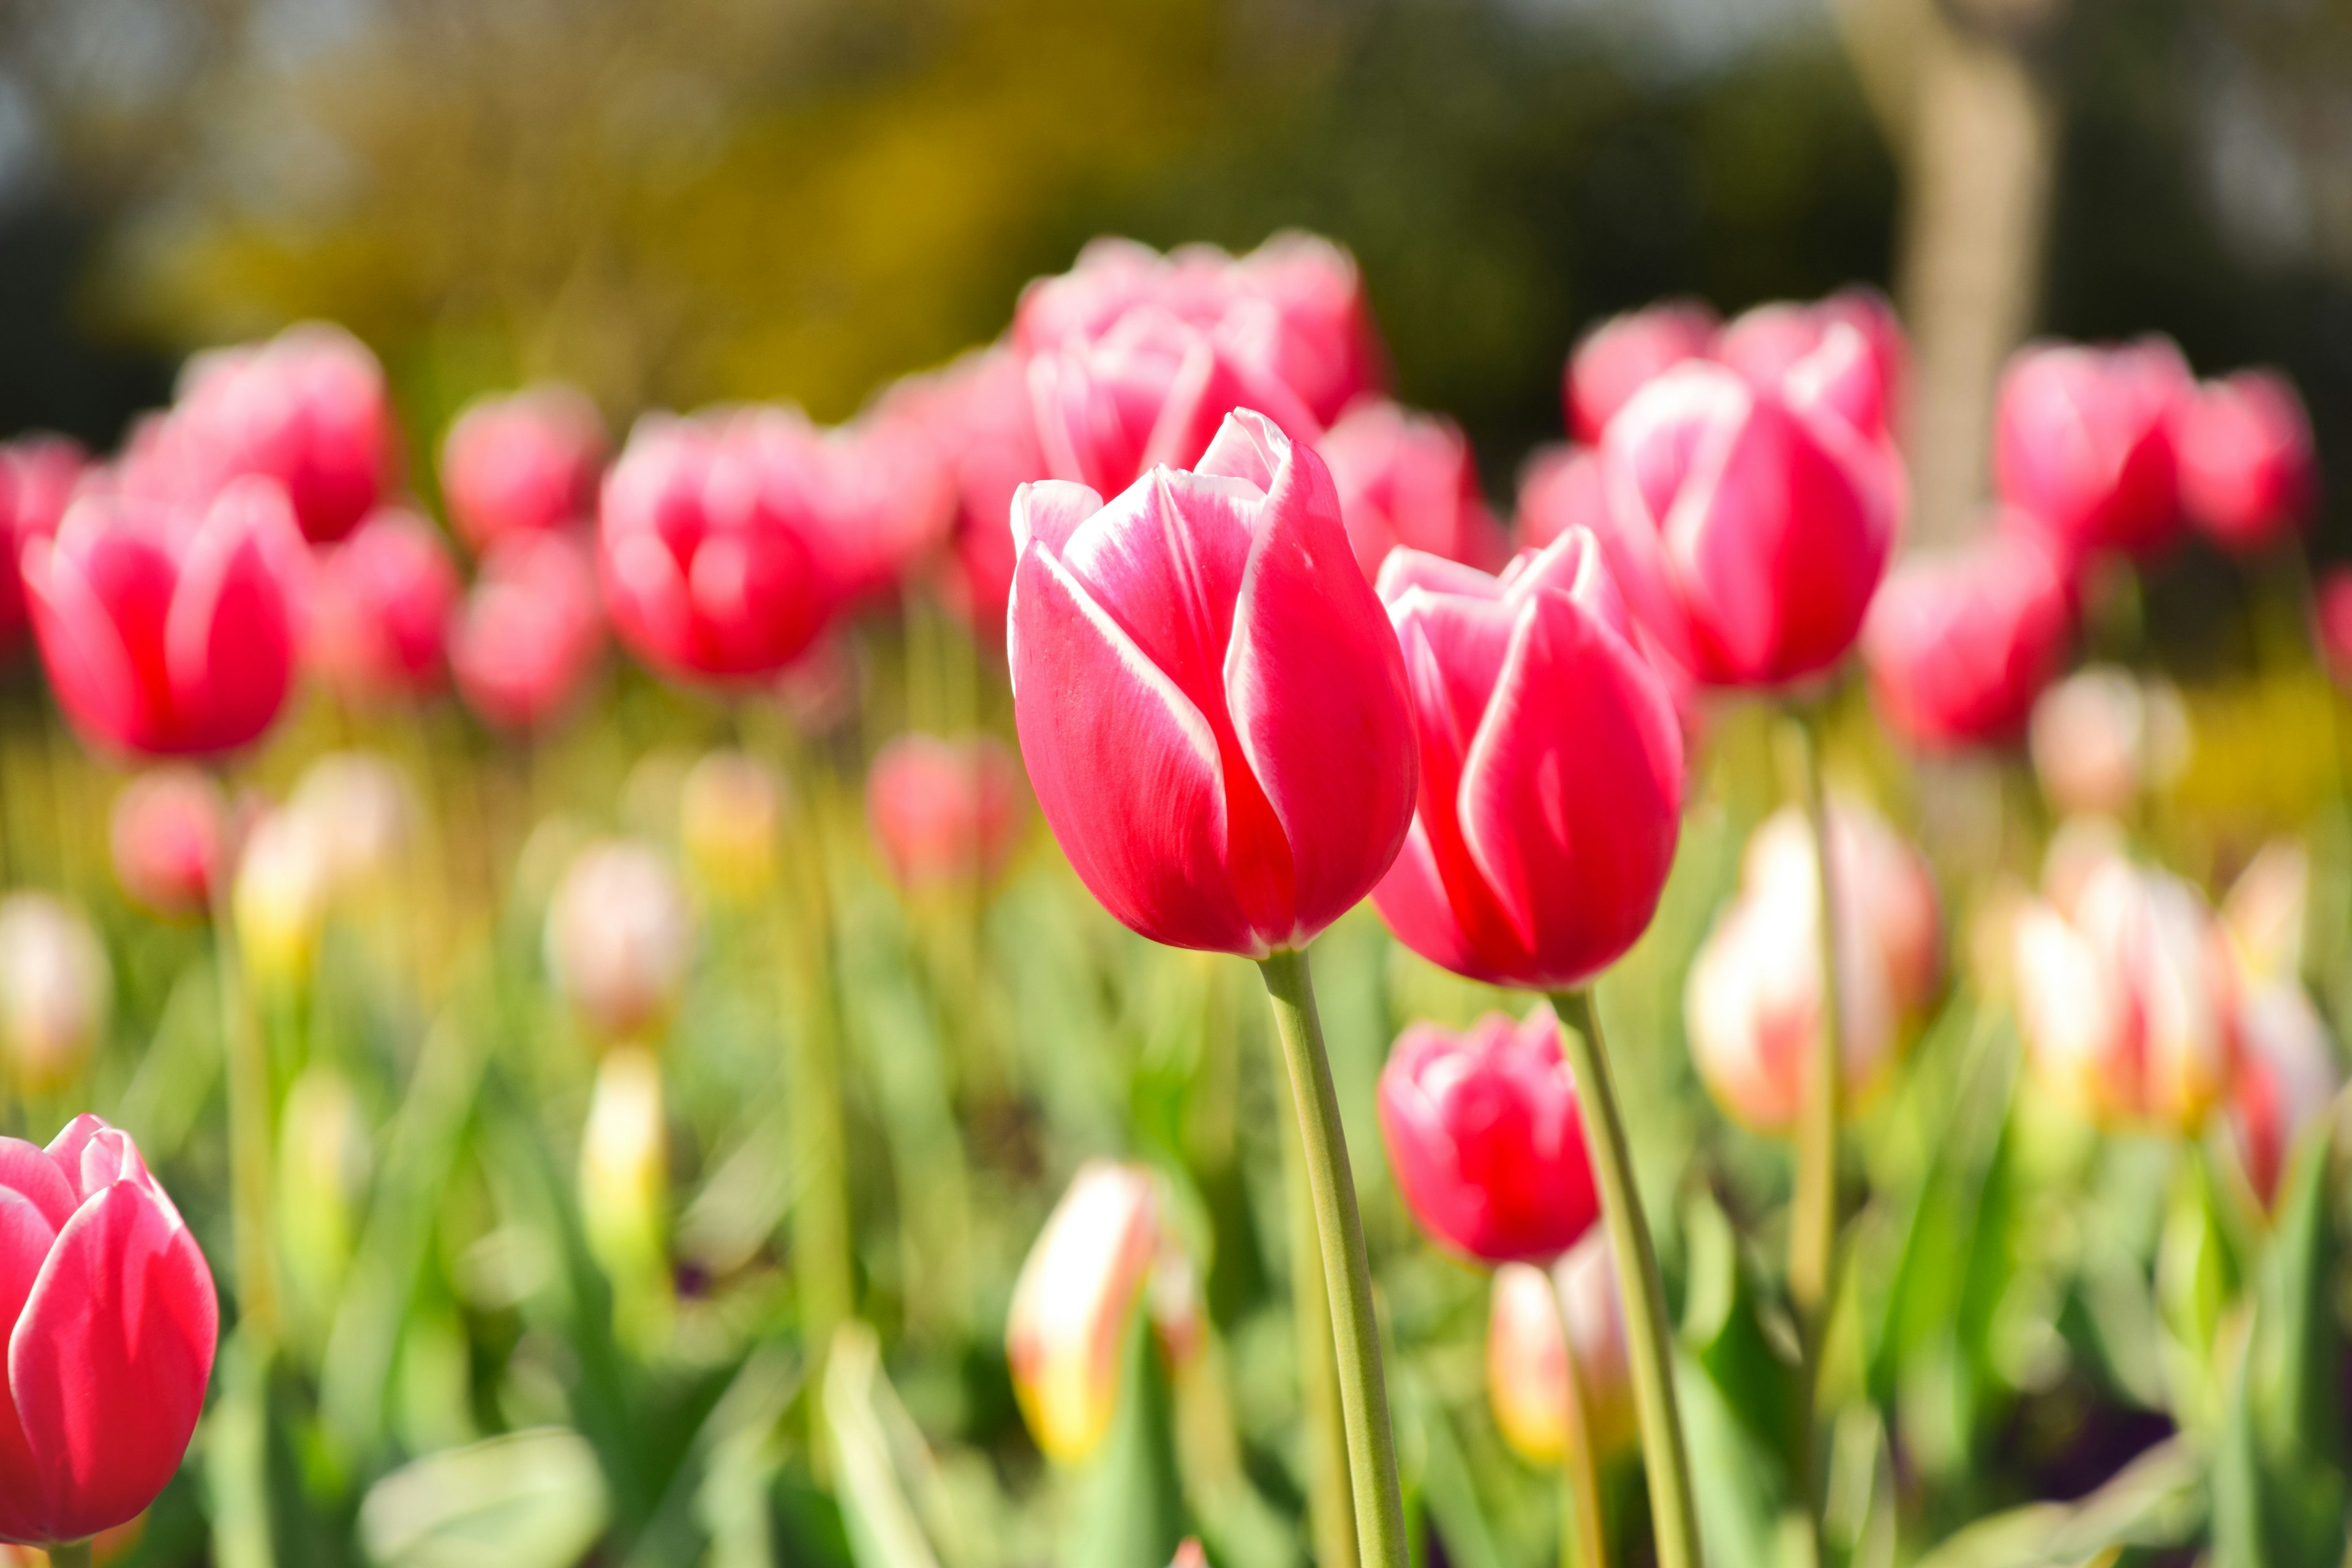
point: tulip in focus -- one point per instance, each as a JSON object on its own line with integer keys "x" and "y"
{"x": 38, "y": 474}
{"x": 1066, "y": 1329}
{"x": 1526, "y": 1382}
{"x": 1560, "y": 489}
{"x": 1408, "y": 479}
{"x": 111, "y": 1322}
{"x": 2287, "y": 1078}
{"x": 1551, "y": 768}
{"x": 378, "y": 605}
{"x": 620, "y": 938}
{"x": 1486, "y": 1137}
{"x": 1622, "y": 355}
{"x": 2101, "y": 739}
{"x": 55, "y": 990}
{"x": 522, "y": 462}
{"x": 2083, "y": 443}
{"x": 1752, "y": 1003}
{"x": 168, "y": 633}
{"x": 528, "y": 634}
{"x": 944, "y": 811}
{"x": 2248, "y": 476}
{"x": 1959, "y": 646}
{"x": 169, "y": 831}
{"x": 731, "y": 812}
{"x": 1211, "y": 705}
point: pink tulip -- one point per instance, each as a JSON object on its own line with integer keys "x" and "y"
{"x": 168, "y": 833}
{"x": 884, "y": 502}
{"x": 1527, "y": 1353}
{"x": 168, "y": 633}
{"x": 620, "y": 938}
{"x": 1408, "y": 479}
{"x": 378, "y": 604}
{"x": 944, "y": 812}
{"x": 1211, "y": 705}
{"x": 2248, "y": 474}
{"x": 2102, "y": 738}
{"x": 977, "y": 416}
{"x": 2286, "y": 1080}
{"x": 1486, "y": 1138}
{"x": 38, "y": 474}
{"x": 1749, "y": 527}
{"x": 2331, "y": 621}
{"x": 1551, "y": 768}
{"x": 1618, "y": 357}
{"x": 523, "y": 462}
{"x": 111, "y": 1322}
{"x": 528, "y": 634}
{"x": 1560, "y": 489}
{"x": 2082, "y": 443}
{"x": 1766, "y": 345}
{"x": 1960, "y": 645}
{"x": 1752, "y": 1003}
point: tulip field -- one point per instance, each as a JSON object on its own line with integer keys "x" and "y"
{"x": 1117, "y": 961}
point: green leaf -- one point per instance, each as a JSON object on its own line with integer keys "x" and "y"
{"x": 2156, "y": 1501}
{"x": 1131, "y": 1507}
{"x": 528, "y": 1500}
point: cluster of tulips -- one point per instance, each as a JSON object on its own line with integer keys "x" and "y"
{"x": 1270, "y": 655}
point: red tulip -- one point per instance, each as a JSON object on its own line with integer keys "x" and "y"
{"x": 38, "y": 474}
{"x": 1769, "y": 342}
{"x": 2331, "y": 621}
{"x": 1960, "y": 646}
{"x": 378, "y": 602}
{"x": 1211, "y": 705}
{"x": 944, "y": 812}
{"x": 1551, "y": 768}
{"x": 2082, "y": 443}
{"x": 164, "y": 633}
{"x": 2287, "y": 1078}
{"x": 307, "y": 408}
{"x": 167, "y": 835}
{"x": 1560, "y": 489}
{"x": 110, "y": 1321}
{"x": 1618, "y": 357}
{"x": 1486, "y": 1140}
{"x": 2248, "y": 473}
{"x": 522, "y": 463}
{"x": 977, "y": 416}
{"x": 530, "y": 633}
{"x": 1408, "y": 479}
{"x": 1749, "y": 527}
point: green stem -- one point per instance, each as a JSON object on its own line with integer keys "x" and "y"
{"x": 69, "y": 1554}
{"x": 1330, "y": 1501}
{"x": 1813, "y": 1215}
{"x": 820, "y": 1217}
{"x": 1583, "y": 1527}
{"x": 1347, "y": 1276}
{"x": 1674, "y": 1512}
{"x": 247, "y": 1071}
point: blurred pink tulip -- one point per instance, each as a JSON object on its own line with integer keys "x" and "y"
{"x": 887, "y": 499}
{"x": 1959, "y": 645}
{"x": 56, "y": 988}
{"x": 378, "y": 604}
{"x": 111, "y": 1322}
{"x": 1527, "y": 1353}
{"x": 170, "y": 633}
{"x": 2331, "y": 621}
{"x": 2248, "y": 476}
{"x": 38, "y": 474}
{"x": 2265, "y": 910}
{"x": 2082, "y": 443}
{"x": 1486, "y": 1138}
{"x": 1552, "y": 768}
{"x": 1749, "y": 528}
{"x": 620, "y": 939}
{"x": 1076, "y": 1293}
{"x": 522, "y": 462}
{"x": 1616, "y": 358}
{"x": 2102, "y": 737}
{"x": 977, "y": 416}
{"x": 169, "y": 832}
{"x": 1770, "y": 342}
{"x": 1408, "y": 479}
{"x": 1560, "y": 489}
{"x": 2286, "y": 1080}
{"x": 1210, "y": 705}
{"x": 528, "y": 636}
{"x": 944, "y": 811}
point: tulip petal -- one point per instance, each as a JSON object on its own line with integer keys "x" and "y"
{"x": 35, "y": 1175}
{"x": 1414, "y": 901}
{"x": 27, "y": 1234}
{"x": 228, "y": 642}
{"x": 650, "y": 604}
{"x": 1051, "y": 510}
{"x": 122, "y": 1322}
{"x": 89, "y": 669}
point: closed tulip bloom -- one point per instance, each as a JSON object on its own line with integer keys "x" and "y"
{"x": 624, "y": 1167}
{"x": 1076, "y": 1293}
{"x": 1211, "y": 707}
{"x": 38, "y": 475}
{"x": 365, "y": 813}
{"x": 1960, "y": 645}
{"x": 1748, "y": 527}
{"x": 168, "y": 832}
{"x": 1552, "y": 768}
{"x": 1560, "y": 489}
{"x": 378, "y": 602}
{"x": 885, "y": 501}
{"x": 2102, "y": 737}
{"x": 2248, "y": 476}
{"x": 1752, "y": 1004}
{"x": 111, "y": 1322}
{"x": 2287, "y": 1079}
{"x": 1486, "y": 1138}
{"x": 2082, "y": 443}
{"x": 522, "y": 462}
{"x": 56, "y": 989}
{"x": 731, "y": 812}
{"x": 2331, "y": 621}
{"x": 529, "y": 633}
{"x": 1526, "y": 1382}
{"x": 285, "y": 876}
{"x": 620, "y": 938}
{"x": 1408, "y": 479}
{"x": 2128, "y": 1003}
{"x": 979, "y": 419}
{"x": 1766, "y": 343}
{"x": 944, "y": 811}
{"x": 1620, "y": 356}
{"x": 167, "y": 634}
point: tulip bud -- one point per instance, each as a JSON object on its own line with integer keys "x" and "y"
{"x": 620, "y": 937}
{"x": 167, "y": 833}
{"x": 624, "y": 1169}
{"x": 2263, "y": 912}
{"x": 110, "y": 1321}
{"x": 2287, "y": 1079}
{"x": 1071, "y": 1306}
{"x": 2248, "y": 474}
{"x": 1526, "y": 1382}
{"x": 943, "y": 811}
{"x": 284, "y": 879}
{"x": 1486, "y": 1137}
{"x": 1408, "y": 479}
{"x": 526, "y": 638}
{"x": 378, "y": 605}
{"x": 1619, "y": 357}
{"x": 1560, "y": 489}
{"x": 2100, "y": 738}
{"x": 55, "y": 990}
{"x": 1753, "y": 1000}
{"x": 524, "y": 462}
{"x": 730, "y": 810}
{"x": 1959, "y": 646}
{"x": 1189, "y": 1554}
{"x": 2082, "y": 443}
{"x": 363, "y": 816}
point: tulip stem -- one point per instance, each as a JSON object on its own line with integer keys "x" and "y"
{"x": 1583, "y": 1529}
{"x": 69, "y": 1554}
{"x": 1673, "y": 1511}
{"x": 1813, "y": 1214}
{"x": 820, "y": 1212}
{"x": 247, "y": 1068}
{"x": 1346, "y": 1274}
{"x": 1330, "y": 1501}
